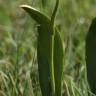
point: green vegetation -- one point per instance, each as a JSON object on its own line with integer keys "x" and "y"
{"x": 90, "y": 56}
{"x": 50, "y": 52}
{"x": 18, "y": 46}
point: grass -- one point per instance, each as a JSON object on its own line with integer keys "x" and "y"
{"x": 18, "y": 42}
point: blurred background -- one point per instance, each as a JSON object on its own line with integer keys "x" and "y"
{"x": 18, "y": 43}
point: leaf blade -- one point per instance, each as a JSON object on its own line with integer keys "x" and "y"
{"x": 58, "y": 62}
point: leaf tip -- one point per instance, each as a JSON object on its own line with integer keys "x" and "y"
{"x": 24, "y": 6}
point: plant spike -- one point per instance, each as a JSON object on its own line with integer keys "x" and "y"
{"x": 91, "y": 56}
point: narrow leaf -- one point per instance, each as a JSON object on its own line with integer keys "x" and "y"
{"x": 58, "y": 62}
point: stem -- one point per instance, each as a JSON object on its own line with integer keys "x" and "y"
{"x": 52, "y": 48}
{"x": 52, "y": 67}
{"x": 54, "y": 13}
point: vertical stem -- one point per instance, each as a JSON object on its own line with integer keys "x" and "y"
{"x": 54, "y": 13}
{"x": 52, "y": 48}
{"x": 52, "y": 67}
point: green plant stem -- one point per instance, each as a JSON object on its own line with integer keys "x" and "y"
{"x": 54, "y": 13}
{"x": 52, "y": 49}
{"x": 52, "y": 67}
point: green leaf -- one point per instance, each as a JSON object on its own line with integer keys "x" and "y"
{"x": 44, "y": 50}
{"x": 49, "y": 53}
{"x": 58, "y": 62}
{"x": 36, "y": 15}
{"x": 91, "y": 56}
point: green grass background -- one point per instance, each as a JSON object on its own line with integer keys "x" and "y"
{"x": 18, "y": 43}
